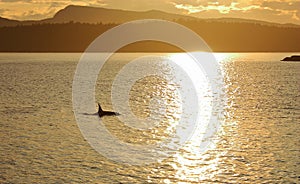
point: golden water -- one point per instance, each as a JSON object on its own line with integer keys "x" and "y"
{"x": 41, "y": 143}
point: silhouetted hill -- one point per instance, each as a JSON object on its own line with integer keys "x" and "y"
{"x": 8, "y": 22}
{"x": 95, "y": 15}
{"x": 74, "y": 28}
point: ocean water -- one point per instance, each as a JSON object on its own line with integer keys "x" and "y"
{"x": 258, "y": 141}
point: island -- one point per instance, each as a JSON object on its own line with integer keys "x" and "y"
{"x": 292, "y": 58}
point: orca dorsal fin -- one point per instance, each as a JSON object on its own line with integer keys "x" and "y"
{"x": 100, "y": 109}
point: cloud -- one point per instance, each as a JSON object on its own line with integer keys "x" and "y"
{"x": 221, "y": 8}
{"x": 282, "y": 5}
{"x": 297, "y": 14}
{"x": 13, "y": 1}
{"x": 256, "y": 14}
{"x": 268, "y": 10}
{"x": 57, "y": 4}
{"x": 288, "y": 8}
{"x": 36, "y": 9}
{"x": 140, "y": 5}
{"x": 34, "y": 14}
{"x": 98, "y": 3}
{"x": 3, "y": 10}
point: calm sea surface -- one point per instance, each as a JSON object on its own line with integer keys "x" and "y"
{"x": 40, "y": 141}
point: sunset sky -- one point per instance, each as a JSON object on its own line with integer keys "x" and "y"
{"x": 281, "y": 11}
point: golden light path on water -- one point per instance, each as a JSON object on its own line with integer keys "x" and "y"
{"x": 190, "y": 164}
{"x": 223, "y": 57}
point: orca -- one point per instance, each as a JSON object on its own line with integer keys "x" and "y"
{"x": 102, "y": 113}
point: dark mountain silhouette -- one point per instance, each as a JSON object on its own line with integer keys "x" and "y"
{"x": 73, "y": 28}
{"x": 95, "y": 15}
{"x": 8, "y": 22}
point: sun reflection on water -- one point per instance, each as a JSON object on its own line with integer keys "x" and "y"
{"x": 225, "y": 57}
{"x": 189, "y": 163}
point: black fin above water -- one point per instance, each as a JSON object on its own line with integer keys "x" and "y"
{"x": 102, "y": 113}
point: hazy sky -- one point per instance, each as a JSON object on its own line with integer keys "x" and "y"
{"x": 282, "y": 11}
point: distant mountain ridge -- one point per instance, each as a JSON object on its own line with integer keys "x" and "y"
{"x": 95, "y": 15}
{"x": 8, "y": 22}
{"x": 102, "y": 15}
{"x": 73, "y": 28}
